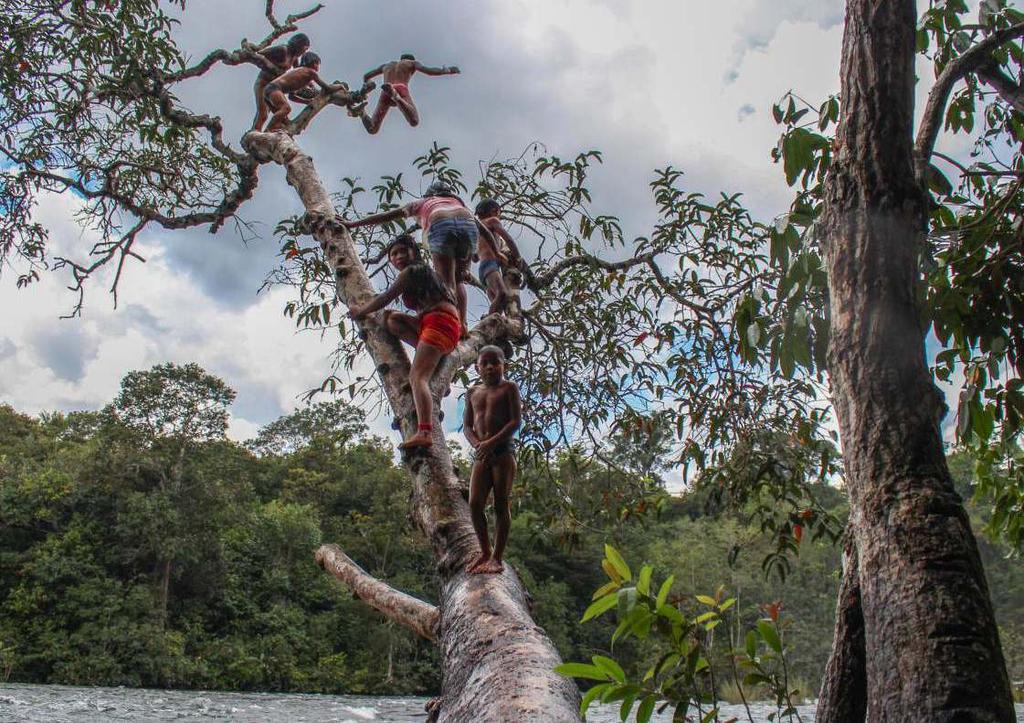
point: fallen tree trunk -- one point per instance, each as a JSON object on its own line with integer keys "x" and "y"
{"x": 497, "y": 663}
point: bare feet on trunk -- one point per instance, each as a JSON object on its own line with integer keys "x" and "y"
{"x": 420, "y": 439}
{"x": 474, "y": 566}
{"x": 490, "y": 567}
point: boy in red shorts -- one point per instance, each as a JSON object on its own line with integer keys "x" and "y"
{"x": 395, "y": 90}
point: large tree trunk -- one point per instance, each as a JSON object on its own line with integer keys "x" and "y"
{"x": 497, "y": 664}
{"x": 843, "y": 697}
{"x": 931, "y": 645}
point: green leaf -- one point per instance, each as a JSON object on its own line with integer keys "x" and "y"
{"x": 627, "y": 707}
{"x": 643, "y": 582}
{"x": 606, "y": 589}
{"x": 613, "y": 556}
{"x": 600, "y": 607}
{"x": 611, "y": 667}
{"x": 727, "y": 604}
{"x": 643, "y": 713}
{"x": 591, "y": 695}
{"x": 664, "y": 590}
{"x": 751, "y": 644}
{"x": 670, "y": 612}
{"x": 707, "y": 600}
{"x": 704, "y": 617}
{"x": 582, "y": 670}
{"x": 770, "y": 635}
{"x": 627, "y": 601}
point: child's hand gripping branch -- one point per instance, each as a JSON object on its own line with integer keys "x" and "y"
{"x": 277, "y": 91}
{"x": 493, "y": 414}
{"x": 434, "y": 330}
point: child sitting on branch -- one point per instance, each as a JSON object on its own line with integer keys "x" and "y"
{"x": 493, "y": 413}
{"x": 395, "y": 90}
{"x": 284, "y": 57}
{"x": 294, "y": 80}
{"x": 451, "y": 231}
{"x": 497, "y": 252}
{"x": 434, "y": 330}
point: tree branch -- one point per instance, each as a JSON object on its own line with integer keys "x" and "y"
{"x": 413, "y": 613}
{"x": 289, "y": 24}
{"x": 1008, "y": 90}
{"x": 548, "y": 277}
{"x": 971, "y": 60}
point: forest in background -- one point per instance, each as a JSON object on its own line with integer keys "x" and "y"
{"x": 141, "y": 547}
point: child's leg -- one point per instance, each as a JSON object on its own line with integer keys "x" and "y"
{"x": 282, "y": 109}
{"x": 423, "y": 365}
{"x": 497, "y": 291}
{"x": 408, "y": 108}
{"x": 445, "y": 268}
{"x": 384, "y": 103}
{"x": 461, "y": 269}
{"x": 479, "y": 490}
{"x": 503, "y": 471}
{"x": 404, "y": 326}
{"x": 261, "y": 105}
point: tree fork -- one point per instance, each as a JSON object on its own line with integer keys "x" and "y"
{"x": 497, "y": 663}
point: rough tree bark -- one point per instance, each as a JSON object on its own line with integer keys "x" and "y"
{"x": 497, "y": 664}
{"x": 843, "y": 697}
{"x": 931, "y": 645}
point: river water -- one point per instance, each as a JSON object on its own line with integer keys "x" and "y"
{"x": 66, "y": 704}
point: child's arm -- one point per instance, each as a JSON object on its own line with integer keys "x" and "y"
{"x": 514, "y": 256}
{"x": 486, "y": 237}
{"x": 327, "y": 88}
{"x": 373, "y": 73}
{"x": 381, "y": 300}
{"x": 375, "y": 218}
{"x": 467, "y": 421}
{"x": 515, "y": 418}
{"x": 445, "y": 70}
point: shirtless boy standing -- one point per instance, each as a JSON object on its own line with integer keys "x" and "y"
{"x": 295, "y": 79}
{"x": 395, "y": 90}
{"x": 493, "y": 413}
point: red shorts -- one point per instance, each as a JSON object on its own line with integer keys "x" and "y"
{"x": 441, "y": 329}
{"x": 387, "y": 101}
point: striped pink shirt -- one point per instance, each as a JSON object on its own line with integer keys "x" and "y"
{"x": 424, "y": 207}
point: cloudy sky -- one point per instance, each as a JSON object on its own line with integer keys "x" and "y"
{"x": 650, "y": 82}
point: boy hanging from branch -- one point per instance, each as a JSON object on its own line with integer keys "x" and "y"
{"x": 434, "y": 329}
{"x": 284, "y": 57}
{"x": 497, "y": 252}
{"x": 395, "y": 90}
{"x": 277, "y": 91}
{"x": 493, "y": 413}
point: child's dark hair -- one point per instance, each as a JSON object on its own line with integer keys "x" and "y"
{"x": 487, "y": 207}
{"x": 308, "y": 60}
{"x": 407, "y": 56}
{"x": 409, "y": 242}
{"x": 491, "y": 349}
{"x": 299, "y": 40}
{"x": 440, "y": 188}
